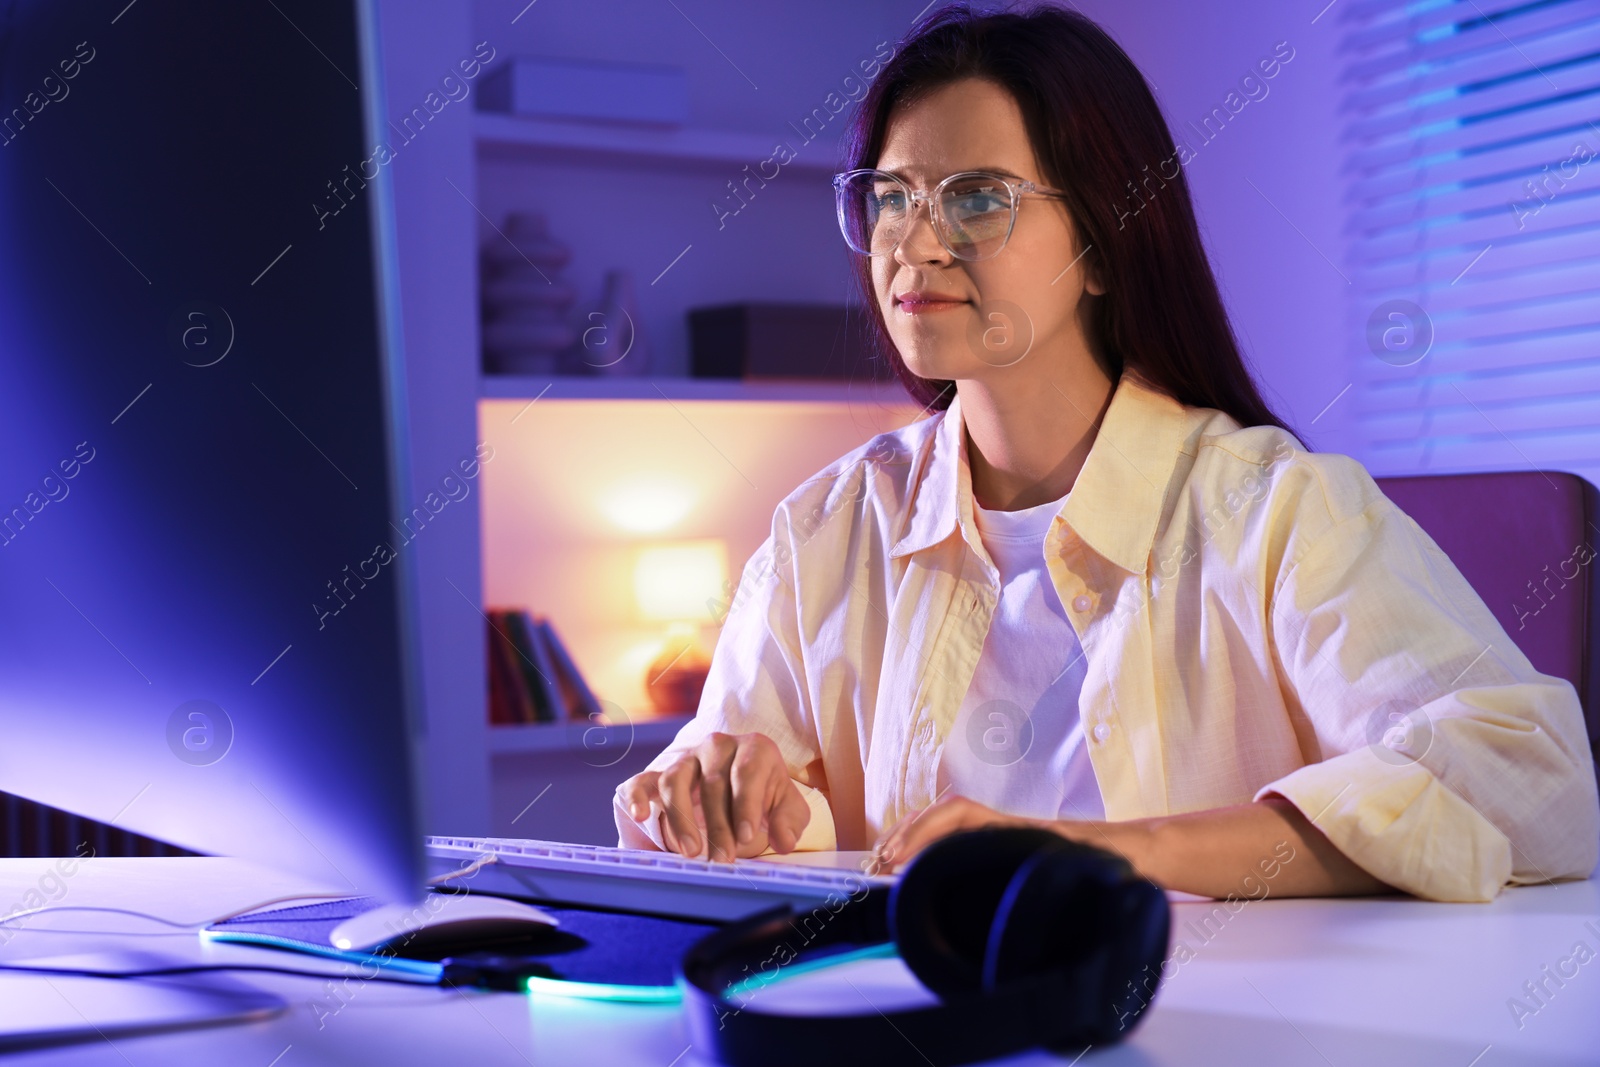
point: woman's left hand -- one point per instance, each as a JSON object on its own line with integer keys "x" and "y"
{"x": 921, "y": 828}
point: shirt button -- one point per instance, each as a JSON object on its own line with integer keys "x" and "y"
{"x": 1101, "y": 732}
{"x": 1080, "y": 603}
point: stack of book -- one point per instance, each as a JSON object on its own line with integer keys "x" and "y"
{"x": 531, "y": 676}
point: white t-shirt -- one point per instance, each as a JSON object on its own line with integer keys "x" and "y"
{"x": 1017, "y": 742}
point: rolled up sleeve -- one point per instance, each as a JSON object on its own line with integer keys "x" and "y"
{"x": 755, "y": 685}
{"x": 1448, "y": 765}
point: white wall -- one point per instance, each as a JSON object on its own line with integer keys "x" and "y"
{"x": 1286, "y": 299}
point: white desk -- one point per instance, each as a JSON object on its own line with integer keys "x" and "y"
{"x": 1324, "y": 983}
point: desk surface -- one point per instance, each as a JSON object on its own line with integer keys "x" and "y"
{"x": 1325, "y": 983}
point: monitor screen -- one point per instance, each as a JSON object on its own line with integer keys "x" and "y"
{"x": 204, "y": 622}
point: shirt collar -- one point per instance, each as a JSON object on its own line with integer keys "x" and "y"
{"x": 1115, "y": 503}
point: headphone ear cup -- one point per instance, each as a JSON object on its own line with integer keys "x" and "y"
{"x": 1058, "y": 909}
{"x": 942, "y": 911}
{"x": 1085, "y": 912}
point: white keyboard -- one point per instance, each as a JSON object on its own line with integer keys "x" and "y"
{"x": 639, "y": 880}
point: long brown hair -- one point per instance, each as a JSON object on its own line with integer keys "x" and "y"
{"x": 1100, "y": 136}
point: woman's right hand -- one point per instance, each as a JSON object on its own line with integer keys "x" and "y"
{"x": 732, "y": 790}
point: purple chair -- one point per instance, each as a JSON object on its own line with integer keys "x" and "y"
{"x": 1527, "y": 541}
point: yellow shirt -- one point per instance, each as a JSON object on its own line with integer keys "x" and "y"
{"x": 1256, "y": 620}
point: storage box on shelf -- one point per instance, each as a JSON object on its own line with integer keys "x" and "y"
{"x": 515, "y": 137}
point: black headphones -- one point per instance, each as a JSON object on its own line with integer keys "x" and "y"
{"x": 1028, "y": 939}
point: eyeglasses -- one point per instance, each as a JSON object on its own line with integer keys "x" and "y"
{"x": 972, "y": 212}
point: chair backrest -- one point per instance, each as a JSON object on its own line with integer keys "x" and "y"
{"x": 1527, "y": 542}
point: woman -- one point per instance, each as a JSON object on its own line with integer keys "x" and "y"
{"x": 1101, "y": 588}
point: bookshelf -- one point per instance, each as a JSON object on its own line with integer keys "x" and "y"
{"x": 698, "y": 217}
{"x": 572, "y": 387}
{"x": 583, "y": 737}
{"x": 632, "y": 198}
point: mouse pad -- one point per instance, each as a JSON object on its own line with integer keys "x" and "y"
{"x": 600, "y": 948}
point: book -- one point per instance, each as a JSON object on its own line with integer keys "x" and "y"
{"x": 580, "y": 699}
{"x": 506, "y": 696}
{"x": 538, "y": 669}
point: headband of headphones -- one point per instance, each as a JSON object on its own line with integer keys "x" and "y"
{"x": 1028, "y": 939}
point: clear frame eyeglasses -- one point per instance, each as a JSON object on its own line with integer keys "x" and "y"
{"x": 973, "y": 212}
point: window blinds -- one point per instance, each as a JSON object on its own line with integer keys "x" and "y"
{"x": 1472, "y": 184}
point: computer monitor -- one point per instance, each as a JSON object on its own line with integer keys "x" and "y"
{"x": 205, "y": 603}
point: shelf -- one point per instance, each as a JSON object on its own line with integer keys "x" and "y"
{"x": 577, "y": 387}
{"x": 598, "y": 742}
{"x": 513, "y": 135}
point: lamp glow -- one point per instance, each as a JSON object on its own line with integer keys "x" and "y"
{"x": 675, "y": 582}
{"x": 647, "y": 506}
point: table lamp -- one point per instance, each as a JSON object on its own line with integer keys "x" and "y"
{"x": 677, "y": 583}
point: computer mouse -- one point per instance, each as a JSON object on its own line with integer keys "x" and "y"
{"x": 442, "y": 923}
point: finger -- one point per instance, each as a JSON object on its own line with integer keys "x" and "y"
{"x": 637, "y": 793}
{"x": 716, "y": 755}
{"x": 755, "y": 780}
{"x": 914, "y": 834}
{"x": 787, "y": 818}
{"x": 678, "y": 825}
{"x": 703, "y": 852}
{"x": 918, "y": 830}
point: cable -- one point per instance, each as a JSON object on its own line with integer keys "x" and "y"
{"x": 485, "y": 972}
{"x": 197, "y": 968}
{"x": 100, "y": 933}
{"x": 465, "y": 872}
{"x": 89, "y": 907}
{"x": 507, "y": 974}
{"x": 202, "y": 924}
{"x": 440, "y": 880}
